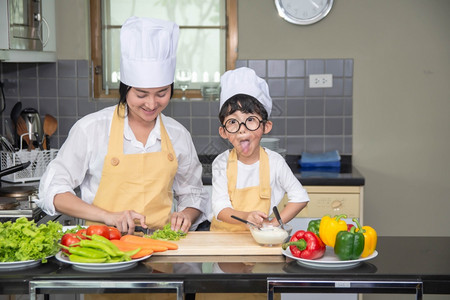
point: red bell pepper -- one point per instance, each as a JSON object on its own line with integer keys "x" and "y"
{"x": 306, "y": 244}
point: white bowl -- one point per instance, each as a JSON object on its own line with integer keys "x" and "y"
{"x": 270, "y": 236}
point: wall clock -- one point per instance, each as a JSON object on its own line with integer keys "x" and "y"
{"x": 303, "y": 12}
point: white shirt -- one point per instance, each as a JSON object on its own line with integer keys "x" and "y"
{"x": 282, "y": 181}
{"x": 80, "y": 162}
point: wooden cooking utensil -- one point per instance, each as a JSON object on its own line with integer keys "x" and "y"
{"x": 21, "y": 128}
{"x": 50, "y": 126}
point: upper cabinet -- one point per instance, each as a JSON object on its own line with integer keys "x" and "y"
{"x": 27, "y": 31}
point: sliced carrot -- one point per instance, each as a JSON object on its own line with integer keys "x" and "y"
{"x": 124, "y": 246}
{"x": 148, "y": 241}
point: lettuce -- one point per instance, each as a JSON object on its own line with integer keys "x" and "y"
{"x": 24, "y": 240}
{"x": 167, "y": 234}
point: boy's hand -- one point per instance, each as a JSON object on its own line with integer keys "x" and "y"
{"x": 256, "y": 217}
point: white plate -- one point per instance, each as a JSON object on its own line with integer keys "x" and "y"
{"x": 329, "y": 260}
{"x": 100, "y": 267}
{"x": 65, "y": 228}
{"x": 19, "y": 265}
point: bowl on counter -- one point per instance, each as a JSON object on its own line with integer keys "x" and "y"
{"x": 271, "y": 236}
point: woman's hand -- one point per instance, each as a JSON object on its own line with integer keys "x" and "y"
{"x": 180, "y": 221}
{"x": 183, "y": 220}
{"x": 125, "y": 220}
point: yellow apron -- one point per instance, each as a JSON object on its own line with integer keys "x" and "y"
{"x": 246, "y": 199}
{"x": 142, "y": 182}
{"x": 249, "y": 198}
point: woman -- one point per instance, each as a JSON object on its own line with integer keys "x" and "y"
{"x": 128, "y": 158}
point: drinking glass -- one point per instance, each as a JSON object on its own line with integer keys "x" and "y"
{"x": 183, "y": 78}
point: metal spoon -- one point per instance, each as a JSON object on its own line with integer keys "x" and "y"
{"x": 245, "y": 221}
{"x": 277, "y": 215}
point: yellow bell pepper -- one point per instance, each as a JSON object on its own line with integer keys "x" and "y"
{"x": 330, "y": 227}
{"x": 370, "y": 238}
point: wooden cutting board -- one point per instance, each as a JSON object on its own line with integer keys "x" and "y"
{"x": 219, "y": 243}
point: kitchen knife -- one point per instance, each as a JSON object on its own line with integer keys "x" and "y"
{"x": 146, "y": 231}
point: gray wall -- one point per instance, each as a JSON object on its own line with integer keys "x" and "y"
{"x": 401, "y": 98}
{"x": 401, "y": 93}
{"x": 305, "y": 119}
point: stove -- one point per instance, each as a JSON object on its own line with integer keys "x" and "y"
{"x": 27, "y": 209}
{"x": 24, "y": 197}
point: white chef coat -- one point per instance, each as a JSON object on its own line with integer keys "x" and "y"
{"x": 282, "y": 181}
{"x": 80, "y": 162}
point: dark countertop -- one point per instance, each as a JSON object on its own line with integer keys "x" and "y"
{"x": 346, "y": 175}
{"x": 423, "y": 259}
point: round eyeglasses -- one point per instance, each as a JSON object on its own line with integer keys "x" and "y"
{"x": 251, "y": 123}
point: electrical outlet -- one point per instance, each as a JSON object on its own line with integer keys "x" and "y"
{"x": 321, "y": 80}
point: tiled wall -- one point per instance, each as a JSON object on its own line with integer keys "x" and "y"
{"x": 305, "y": 119}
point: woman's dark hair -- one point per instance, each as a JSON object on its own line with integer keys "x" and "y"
{"x": 123, "y": 91}
{"x": 244, "y": 103}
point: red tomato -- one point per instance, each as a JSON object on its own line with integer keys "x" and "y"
{"x": 81, "y": 233}
{"x": 114, "y": 233}
{"x": 102, "y": 230}
{"x": 69, "y": 239}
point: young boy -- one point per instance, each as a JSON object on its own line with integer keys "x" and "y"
{"x": 248, "y": 181}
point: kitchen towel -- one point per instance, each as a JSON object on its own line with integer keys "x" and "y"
{"x": 330, "y": 159}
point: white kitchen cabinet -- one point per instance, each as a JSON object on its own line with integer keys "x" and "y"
{"x": 331, "y": 200}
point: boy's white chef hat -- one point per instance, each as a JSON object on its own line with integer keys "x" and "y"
{"x": 244, "y": 81}
{"x": 148, "y": 52}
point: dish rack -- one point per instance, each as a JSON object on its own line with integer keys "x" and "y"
{"x": 39, "y": 161}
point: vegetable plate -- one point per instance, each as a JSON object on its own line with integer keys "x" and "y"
{"x": 329, "y": 260}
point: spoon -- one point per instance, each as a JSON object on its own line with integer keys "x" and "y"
{"x": 50, "y": 126}
{"x": 15, "y": 113}
{"x": 22, "y": 130}
{"x": 245, "y": 221}
{"x": 277, "y": 215}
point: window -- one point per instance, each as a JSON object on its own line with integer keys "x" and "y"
{"x": 207, "y": 44}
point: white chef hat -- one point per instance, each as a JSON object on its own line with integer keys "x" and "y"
{"x": 148, "y": 52}
{"x": 244, "y": 81}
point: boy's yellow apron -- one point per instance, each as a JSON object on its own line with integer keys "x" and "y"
{"x": 141, "y": 182}
{"x": 246, "y": 199}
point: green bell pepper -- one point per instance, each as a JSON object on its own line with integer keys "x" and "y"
{"x": 349, "y": 244}
{"x": 314, "y": 226}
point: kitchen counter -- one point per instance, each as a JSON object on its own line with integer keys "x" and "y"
{"x": 400, "y": 259}
{"x": 346, "y": 175}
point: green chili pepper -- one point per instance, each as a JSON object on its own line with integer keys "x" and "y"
{"x": 313, "y": 226}
{"x": 102, "y": 239}
{"x": 132, "y": 252}
{"x": 82, "y": 259}
{"x": 116, "y": 259}
{"x": 85, "y": 252}
{"x": 99, "y": 245}
{"x": 349, "y": 244}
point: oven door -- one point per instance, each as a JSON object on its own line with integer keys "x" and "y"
{"x": 25, "y": 26}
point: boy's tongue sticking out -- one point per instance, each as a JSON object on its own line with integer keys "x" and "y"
{"x": 245, "y": 146}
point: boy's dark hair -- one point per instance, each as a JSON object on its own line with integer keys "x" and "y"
{"x": 123, "y": 91}
{"x": 244, "y": 103}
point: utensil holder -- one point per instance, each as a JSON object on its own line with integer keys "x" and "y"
{"x": 39, "y": 162}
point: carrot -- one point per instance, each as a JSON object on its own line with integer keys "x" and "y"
{"x": 148, "y": 241}
{"x": 124, "y": 246}
{"x": 155, "y": 248}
